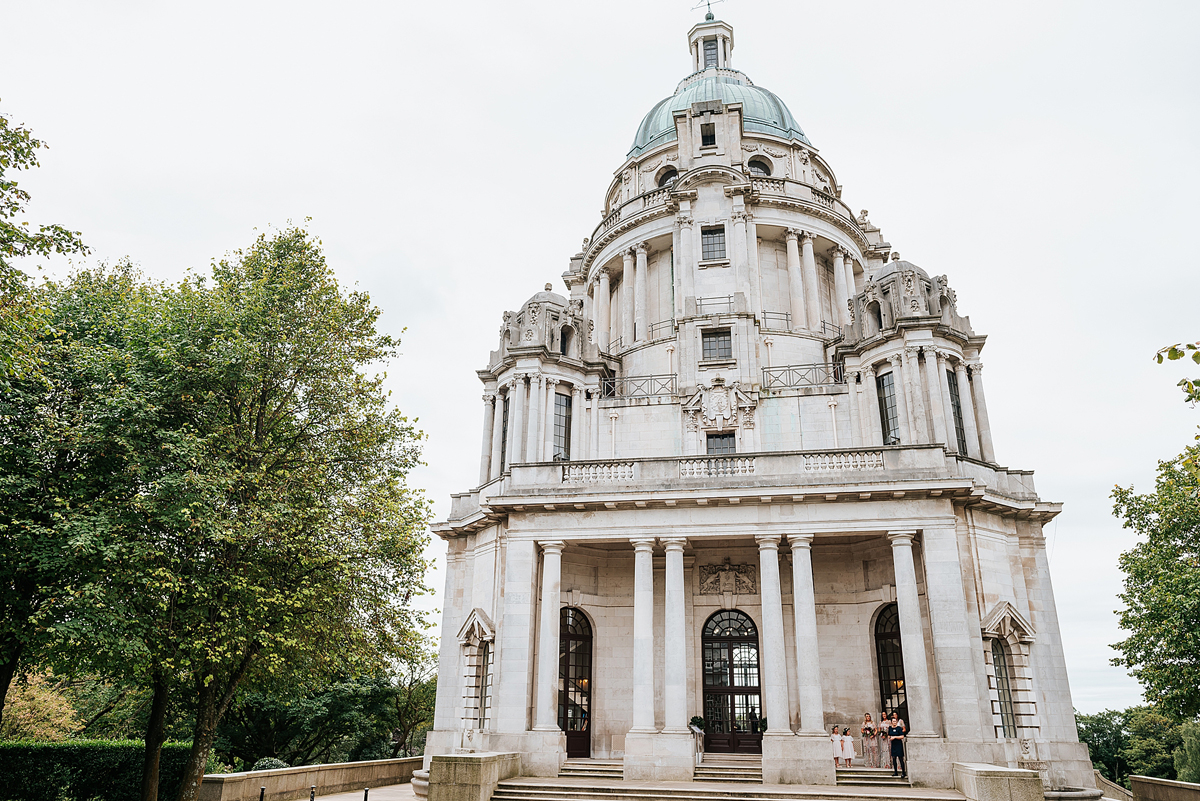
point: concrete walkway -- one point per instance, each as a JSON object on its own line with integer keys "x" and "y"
{"x": 396, "y": 792}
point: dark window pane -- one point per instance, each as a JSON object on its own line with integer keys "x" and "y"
{"x": 890, "y": 661}
{"x": 888, "y": 418}
{"x": 504, "y": 437}
{"x": 668, "y": 178}
{"x": 710, "y": 53}
{"x": 1008, "y": 722}
{"x": 956, "y": 405}
{"x": 759, "y": 167}
{"x": 712, "y": 243}
{"x": 716, "y": 345}
{"x": 719, "y": 444}
{"x": 708, "y": 134}
{"x": 562, "y": 428}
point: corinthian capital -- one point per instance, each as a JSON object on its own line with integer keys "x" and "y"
{"x": 489, "y": 397}
{"x": 976, "y": 368}
{"x": 792, "y": 233}
{"x": 641, "y": 248}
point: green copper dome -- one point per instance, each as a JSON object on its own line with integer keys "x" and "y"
{"x": 762, "y": 111}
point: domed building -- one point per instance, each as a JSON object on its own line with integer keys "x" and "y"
{"x": 737, "y": 486}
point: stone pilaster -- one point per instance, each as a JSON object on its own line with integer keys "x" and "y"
{"x": 516, "y": 423}
{"x": 796, "y": 281}
{"x": 936, "y": 411}
{"x": 967, "y": 405}
{"x": 981, "y": 414}
{"x": 603, "y": 312}
{"x": 839, "y": 288}
{"x": 641, "y": 325}
{"x": 912, "y": 635}
{"x": 643, "y": 636}
{"x": 916, "y": 399}
{"x": 533, "y": 420}
{"x": 627, "y": 281}
{"x": 812, "y": 303}
{"x": 675, "y": 645}
{"x": 546, "y": 694}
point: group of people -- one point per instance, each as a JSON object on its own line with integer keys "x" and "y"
{"x": 882, "y": 744}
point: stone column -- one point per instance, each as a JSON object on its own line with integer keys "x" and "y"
{"x": 871, "y": 389}
{"x": 738, "y": 253}
{"x": 643, "y": 635}
{"x": 533, "y": 422}
{"x": 851, "y": 289}
{"x": 489, "y": 424}
{"x": 675, "y": 647}
{"x": 498, "y": 432}
{"x": 516, "y": 423}
{"x": 685, "y": 267}
{"x": 603, "y": 313}
{"x": 641, "y": 324}
{"x": 841, "y": 312}
{"x": 546, "y": 694}
{"x": 671, "y": 358}
{"x": 752, "y": 263}
{"x": 795, "y": 281}
{"x": 947, "y": 404}
{"x": 916, "y": 403}
{"x": 906, "y": 437}
{"x": 856, "y": 429}
{"x": 577, "y": 414}
{"x": 912, "y": 635}
{"x": 833, "y": 421}
{"x": 940, "y": 424}
{"x": 548, "y": 417}
{"x": 594, "y": 451}
{"x": 774, "y": 662}
{"x": 968, "y": 409}
{"x": 627, "y": 282}
{"x": 812, "y": 300}
{"x": 808, "y": 660}
{"x": 613, "y": 414}
{"x": 981, "y": 414}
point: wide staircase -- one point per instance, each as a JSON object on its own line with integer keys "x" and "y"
{"x": 870, "y": 777}
{"x": 593, "y": 769}
{"x": 732, "y": 768}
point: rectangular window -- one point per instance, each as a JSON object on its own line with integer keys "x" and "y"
{"x": 885, "y": 387}
{"x": 1008, "y": 721}
{"x": 485, "y": 682}
{"x": 710, "y": 53}
{"x": 712, "y": 243}
{"x": 716, "y": 345}
{"x": 956, "y": 405}
{"x": 562, "y": 428}
{"x": 708, "y": 134}
{"x": 504, "y": 436}
{"x": 719, "y": 444}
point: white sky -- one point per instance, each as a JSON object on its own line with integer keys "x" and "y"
{"x": 453, "y": 156}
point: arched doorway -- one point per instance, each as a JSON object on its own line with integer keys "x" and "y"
{"x": 575, "y": 681}
{"x": 732, "y": 706}
{"x": 890, "y": 660}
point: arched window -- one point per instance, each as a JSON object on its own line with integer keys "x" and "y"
{"x": 891, "y": 662}
{"x": 575, "y": 681}
{"x": 565, "y": 338}
{"x": 759, "y": 166}
{"x": 732, "y": 706}
{"x": 1003, "y": 668}
{"x": 668, "y": 177}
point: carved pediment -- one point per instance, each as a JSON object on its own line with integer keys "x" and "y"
{"x": 719, "y": 406}
{"x": 477, "y": 628}
{"x": 1005, "y": 621}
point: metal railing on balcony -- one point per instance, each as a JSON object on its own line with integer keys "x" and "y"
{"x": 716, "y": 466}
{"x": 829, "y": 330}
{"x": 638, "y": 386}
{"x": 777, "y": 321}
{"x": 790, "y": 376}
{"x": 717, "y": 305}
{"x": 615, "y": 345}
{"x": 663, "y": 328}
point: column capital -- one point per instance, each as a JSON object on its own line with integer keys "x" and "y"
{"x": 807, "y": 236}
{"x": 684, "y": 221}
{"x": 904, "y": 537}
{"x": 552, "y": 546}
{"x": 800, "y": 540}
{"x": 641, "y": 248}
{"x": 642, "y": 544}
{"x": 838, "y": 252}
{"x": 767, "y": 542}
{"x": 671, "y": 544}
{"x": 627, "y": 255}
{"x": 976, "y": 368}
{"x": 489, "y": 398}
{"x": 869, "y": 372}
{"x": 895, "y": 359}
{"x": 960, "y": 366}
{"x": 550, "y": 382}
{"x": 912, "y": 350}
{"x": 831, "y": 403}
{"x": 792, "y": 233}
{"x": 670, "y": 347}
{"x": 614, "y": 414}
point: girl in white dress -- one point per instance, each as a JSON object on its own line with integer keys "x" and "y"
{"x": 848, "y": 748}
{"x": 835, "y": 740}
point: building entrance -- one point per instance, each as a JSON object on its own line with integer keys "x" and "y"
{"x": 732, "y": 707}
{"x": 890, "y": 661}
{"x": 575, "y": 681}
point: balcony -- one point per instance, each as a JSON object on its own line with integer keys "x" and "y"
{"x": 638, "y": 386}
{"x": 791, "y": 376}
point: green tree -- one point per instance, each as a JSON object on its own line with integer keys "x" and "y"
{"x": 1104, "y": 735}
{"x": 1187, "y": 756}
{"x": 412, "y": 703}
{"x": 1151, "y": 741}
{"x": 1162, "y": 587}
{"x": 39, "y": 710}
{"x": 1180, "y": 350}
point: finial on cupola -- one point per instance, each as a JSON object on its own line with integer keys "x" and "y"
{"x": 549, "y": 287}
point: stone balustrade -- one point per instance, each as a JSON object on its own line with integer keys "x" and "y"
{"x": 599, "y": 472}
{"x": 826, "y": 462}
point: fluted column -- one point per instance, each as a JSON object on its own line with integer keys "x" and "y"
{"x": 902, "y": 418}
{"x": 795, "y": 281}
{"x": 981, "y": 414}
{"x": 812, "y": 302}
{"x": 603, "y": 312}
{"x": 936, "y": 411}
{"x": 627, "y": 281}
{"x": 675, "y": 646}
{"x": 912, "y": 635}
{"x": 967, "y": 405}
{"x": 874, "y": 426}
{"x": 774, "y": 664}
{"x": 497, "y": 465}
{"x": 916, "y": 403}
{"x": 489, "y": 425}
{"x": 516, "y": 424}
{"x": 577, "y": 416}
{"x": 534, "y": 420}
{"x": 548, "y": 417}
{"x": 947, "y": 404}
{"x": 641, "y": 324}
{"x": 840, "y": 313}
{"x": 856, "y": 431}
{"x": 643, "y": 635}
{"x": 808, "y": 660}
{"x": 546, "y": 693}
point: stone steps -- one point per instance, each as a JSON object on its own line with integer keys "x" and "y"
{"x": 731, "y": 768}
{"x": 870, "y": 777}
{"x": 593, "y": 769}
{"x": 548, "y": 790}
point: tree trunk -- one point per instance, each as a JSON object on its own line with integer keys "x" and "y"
{"x": 8, "y": 669}
{"x": 211, "y": 704}
{"x": 156, "y": 735}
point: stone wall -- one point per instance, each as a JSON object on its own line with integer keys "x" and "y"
{"x": 286, "y": 784}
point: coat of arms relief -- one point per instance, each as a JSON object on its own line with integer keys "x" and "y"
{"x": 719, "y": 407}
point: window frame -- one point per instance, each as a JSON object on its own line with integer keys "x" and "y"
{"x": 766, "y": 164}
{"x": 723, "y": 339}
{"x": 708, "y": 134}
{"x": 889, "y": 415}
{"x": 562, "y": 427}
{"x": 960, "y": 430}
{"x": 1002, "y": 670}
{"x": 711, "y": 47}
{"x": 713, "y": 231}
{"x": 722, "y": 438}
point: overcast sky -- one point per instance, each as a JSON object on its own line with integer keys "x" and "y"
{"x": 452, "y": 156}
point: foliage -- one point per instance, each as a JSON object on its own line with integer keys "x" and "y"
{"x": 1187, "y": 756}
{"x": 1151, "y": 741}
{"x": 270, "y": 763}
{"x": 412, "y": 703}
{"x": 83, "y": 770}
{"x": 698, "y": 722}
{"x": 1162, "y": 587}
{"x": 1190, "y": 386}
{"x": 19, "y": 311}
{"x": 38, "y": 710}
{"x": 1104, "y": 735}
{"x": 1140, "y": 740}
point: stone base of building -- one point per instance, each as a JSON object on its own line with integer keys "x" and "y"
{"x": 797, "y": 759}
{"x": 542, "y": 752}
{"x": 659, "y": 756}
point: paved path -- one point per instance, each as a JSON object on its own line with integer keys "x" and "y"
{"x": 396, "y": 792}
{"x": 815, "y": 791}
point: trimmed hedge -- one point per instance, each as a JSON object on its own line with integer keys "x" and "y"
{"x": 85, "y": 770}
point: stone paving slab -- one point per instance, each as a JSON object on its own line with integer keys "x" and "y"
{"x": 785, "y": 790}
{"x": 396, "y": 792}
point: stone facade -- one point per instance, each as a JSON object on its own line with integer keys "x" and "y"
{"x": 745, "y": 403}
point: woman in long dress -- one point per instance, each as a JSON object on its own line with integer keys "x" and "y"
{"x": 870, "y": 745}
{"x": 885, "y": 745}
{"x": 896, "y": 731}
